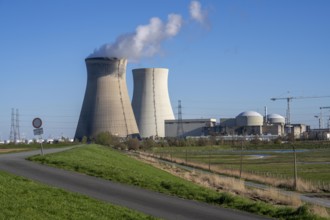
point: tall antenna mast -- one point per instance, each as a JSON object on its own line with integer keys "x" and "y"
{"x": 179, "y": 131}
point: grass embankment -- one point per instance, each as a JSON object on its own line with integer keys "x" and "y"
{"x": 112, "y": 165}
{"x": 24, "y": 199}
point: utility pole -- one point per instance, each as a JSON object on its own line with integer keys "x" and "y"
{"x": 209, "y": 161}
{"x": 319, "y": 119}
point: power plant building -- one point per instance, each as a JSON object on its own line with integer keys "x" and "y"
{"x": 151, "y": 102}
{"x": 106, "y": 106}
{"x": 246, "y": 123}
{"x": 274, "y": 124}
{"x": 191, "y": 127}
{"x": 275, "y": 119}
{"x": 253, "y": 123}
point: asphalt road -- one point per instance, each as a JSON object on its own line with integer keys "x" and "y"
{"x": 152, "y": 203}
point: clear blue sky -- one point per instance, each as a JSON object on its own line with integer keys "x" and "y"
{"x": 248, "y": 52}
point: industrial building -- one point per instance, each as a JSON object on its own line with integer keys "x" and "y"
{"x": 106, "y": 106}
{"x": 246, "y": 123}
{"x": 297, "y": 130}
{"x": 319, "y": 134}
{"x": 253, "y": 123}
{"x": 151, "y": 102}
{"x": 274, "y": 124}
{"x": 190, "y": 127}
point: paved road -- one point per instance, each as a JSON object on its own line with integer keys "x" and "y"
{"x": 152, "y": 203}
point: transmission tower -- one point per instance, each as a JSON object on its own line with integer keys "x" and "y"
{"x": 14, "y": 128}
{"x": 179, "y": 131}
{"x": 18, "y": 134}
{"x": 12, "y": 137}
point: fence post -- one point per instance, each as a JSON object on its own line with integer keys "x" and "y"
{"x": 186, "y": 156}
{"x": 241, "y": 162}
{"x": 209, "y": 161}
{"x": 295, "y": 183}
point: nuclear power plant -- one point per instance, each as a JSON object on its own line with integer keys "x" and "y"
{"x": 151, "y": 102}
{"x": 106, "y": 106}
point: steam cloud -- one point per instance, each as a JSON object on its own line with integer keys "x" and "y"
{"x": 197, "y": 13}
{"x": 146, "y": 40}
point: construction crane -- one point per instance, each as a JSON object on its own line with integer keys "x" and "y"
{"x": 289, "y": 99}
{"x": 321, "y": 116}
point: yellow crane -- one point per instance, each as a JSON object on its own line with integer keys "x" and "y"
{"x": 289, "y": 99}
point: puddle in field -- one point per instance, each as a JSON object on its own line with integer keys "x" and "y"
{"x": 258, "y": 156}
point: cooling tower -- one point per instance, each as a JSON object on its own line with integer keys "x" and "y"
{"x": 151, "y": 102}
{"x": 106, "y": 106}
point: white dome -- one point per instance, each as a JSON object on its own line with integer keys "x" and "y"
{"x": 275, "y": 116}
{"x": 250, "y": 113}
{"x": 249, "y": 118}
{"x": 275, "y": 119}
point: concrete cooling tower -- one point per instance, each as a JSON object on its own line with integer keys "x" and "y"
{"x": 151, "y": 102}
{"x": 106, "y": 106}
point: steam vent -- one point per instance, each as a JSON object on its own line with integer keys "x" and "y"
{"x": 106, "y": 106}
{"x": 151, "y": 102}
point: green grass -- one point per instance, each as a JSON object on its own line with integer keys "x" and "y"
{"x": 112, "y": 165}
{"x": 313, "y": 165}
{"x": 33, "y": 146}
{"x": 24, "y": 199}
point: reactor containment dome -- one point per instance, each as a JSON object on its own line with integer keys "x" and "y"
{"x": 151, "y": 102}
{"x": 106, "y": 106}
{"x": 275, "y": 119}
{"x": 249, "y": 118}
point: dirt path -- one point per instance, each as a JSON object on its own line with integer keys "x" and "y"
{"x": 8, "y": 150}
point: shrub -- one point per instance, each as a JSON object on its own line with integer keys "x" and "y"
{"x": 202, "y": 142}
{"x": 84, "y": 140}
{"x": 106, "y": 139}
{"x": 148, "y": 143}
{"x": 121, "y": 146}
{"x": 133, "y": 144}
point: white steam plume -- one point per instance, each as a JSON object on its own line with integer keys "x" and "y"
{"x": 196, "y": 12}
{"x": 147, "y": 39}
{"x": 144, "y": 42}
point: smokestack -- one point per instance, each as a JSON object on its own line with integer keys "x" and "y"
{"x": 151, "y": 102}
{"x": 106, "y": 106}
